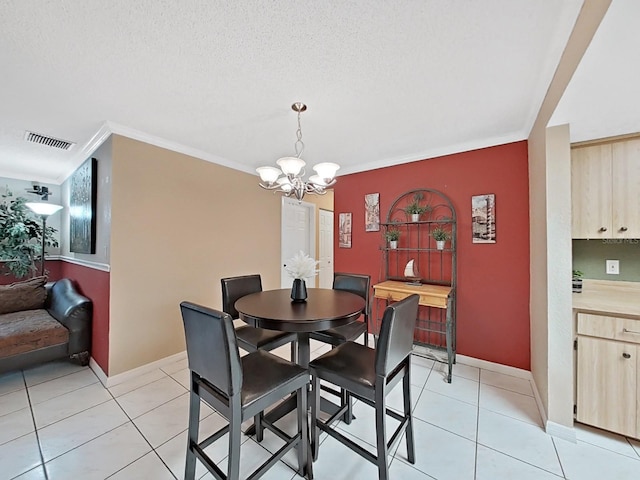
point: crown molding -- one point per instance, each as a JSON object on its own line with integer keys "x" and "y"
{"x": 438, "y": 152}
{"x": 175, "y": 147}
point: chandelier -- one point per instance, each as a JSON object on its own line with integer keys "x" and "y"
{"x": 292, "y": 169}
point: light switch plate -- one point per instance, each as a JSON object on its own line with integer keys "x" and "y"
{"x": 613, "y": 267}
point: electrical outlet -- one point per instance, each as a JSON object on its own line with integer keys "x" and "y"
{"x": 613, "y": 267}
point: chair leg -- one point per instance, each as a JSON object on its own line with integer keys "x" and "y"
{"x": 406, "y": 393}
{"x": 294, "y": 352}
{"x": 304, "y": 454}
{"x": 257, "y": 421}
{"x": 381, "y": 434}
{"x": 235, "y": 434}
{"x": 315, "y": 403}
{"x": 346, "y": 400}
{"x": 192, "y": 439}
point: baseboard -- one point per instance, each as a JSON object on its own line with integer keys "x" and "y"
{"x": 560, "y": 431}
{"x": 552, "y": 428}
{"x": 93, "y": 365}
{"x": 494, "y": 367}
{"x": 135, "y": 372}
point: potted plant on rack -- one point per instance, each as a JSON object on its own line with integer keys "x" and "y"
{"x": 576, "y": 281}
{"x": 392, "y": 235}
{"x": 415, "y": 209}
{"x": 440, "y": 235}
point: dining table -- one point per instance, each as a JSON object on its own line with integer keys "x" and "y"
{"x": 323, "y": 308}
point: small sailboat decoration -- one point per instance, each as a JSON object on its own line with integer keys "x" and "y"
{"x": 411, "y": 273}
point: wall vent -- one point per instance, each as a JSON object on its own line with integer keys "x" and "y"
{"x": 48, "y": 141}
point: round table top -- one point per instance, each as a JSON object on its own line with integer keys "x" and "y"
{"x": 325, "y": 308}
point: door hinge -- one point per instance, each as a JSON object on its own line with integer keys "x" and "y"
{"x": 575, "y": 409}
{"x": 575, "y": 344}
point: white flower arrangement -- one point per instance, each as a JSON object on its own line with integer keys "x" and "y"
{"x": 302, "y": 266}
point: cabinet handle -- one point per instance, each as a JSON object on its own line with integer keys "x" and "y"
{"x": 626, "y": 355}
{"x": 623, "y": 229}
{"x": 626, "y": 330}
{"x": 603, "y": 229}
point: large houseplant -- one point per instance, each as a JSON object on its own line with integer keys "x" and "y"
{"x": 21, "y": 237}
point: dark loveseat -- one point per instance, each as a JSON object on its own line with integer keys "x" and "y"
{"x": 41, "y": 322}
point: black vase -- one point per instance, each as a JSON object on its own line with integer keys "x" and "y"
{"x": 299, "y": 290}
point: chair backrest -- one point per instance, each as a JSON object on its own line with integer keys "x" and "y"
{"x": 354, "y": 283}
{"x": 396, "y": 334}
{"x": 212, "y": 348}
{"x": 234, "y": 288}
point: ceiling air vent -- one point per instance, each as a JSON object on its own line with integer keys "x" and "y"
{"x": 48, "y": 141}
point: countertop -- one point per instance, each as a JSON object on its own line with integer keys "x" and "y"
{"x": 606, "y": 297}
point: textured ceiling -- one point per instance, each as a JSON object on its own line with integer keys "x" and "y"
{"x": 385, "y": 82}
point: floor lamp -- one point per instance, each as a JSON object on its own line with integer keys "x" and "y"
{"x": 44, "y": 210}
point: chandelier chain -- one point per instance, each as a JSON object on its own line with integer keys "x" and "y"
{"x": 299, "y": 145}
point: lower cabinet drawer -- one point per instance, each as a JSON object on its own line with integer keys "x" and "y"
{"x": 613, "y": 328}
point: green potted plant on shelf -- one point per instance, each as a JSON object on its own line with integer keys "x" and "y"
{"x": 576, "y": 281}
{"x": 415, "y": 209}
{"x": 440, "y": 235}
{"x": 392, "y": 235}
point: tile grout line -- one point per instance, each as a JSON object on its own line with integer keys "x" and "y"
{"x": 475, "y": 463}
{"x": 555, "y": 448}
{"x": 35, "y": 428}
{"x": 140, "y": 432}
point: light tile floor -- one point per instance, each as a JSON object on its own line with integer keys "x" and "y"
{"x": 57, "y": 421}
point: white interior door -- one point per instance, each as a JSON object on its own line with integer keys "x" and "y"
{"x": 298, "y": 233}
{"x": 325, "y": 253}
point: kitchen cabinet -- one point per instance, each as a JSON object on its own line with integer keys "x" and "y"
{"x": 608, "y": 373}
{"x": 605, "y": 190}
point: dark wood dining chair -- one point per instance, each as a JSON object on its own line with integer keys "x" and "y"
{"x": 360, "y": 285}
{"x": 369, "y": 375}
{"x": 252, "y": 338}
{"x": 238, "y": 388}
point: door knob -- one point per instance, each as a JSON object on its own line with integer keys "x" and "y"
{"x": 626, "y": 355}
{"x": 623, "y": 229}
{"x": 603, "y": 229}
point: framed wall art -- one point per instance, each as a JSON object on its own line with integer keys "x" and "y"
{"x": 344, "y": 233}
{"x": 82, "y": 203}
{"x": 483, "y": 218}
{"x": 372, "y": 212}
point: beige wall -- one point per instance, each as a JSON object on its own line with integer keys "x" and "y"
{"x": 550, "y": 234}
{"x": 179, "y": 224}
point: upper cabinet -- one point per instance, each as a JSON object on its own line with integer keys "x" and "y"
{"x": 605, "y": 190}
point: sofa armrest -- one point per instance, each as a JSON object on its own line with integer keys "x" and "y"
{"x": 74, "y": 311}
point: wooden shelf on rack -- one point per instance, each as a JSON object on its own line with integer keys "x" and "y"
{"x": 430, "y": 295}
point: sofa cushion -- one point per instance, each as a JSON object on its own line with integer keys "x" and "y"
{"x": 29, "y": 330}
{"x": 27, "y": 295}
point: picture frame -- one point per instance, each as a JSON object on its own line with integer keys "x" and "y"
{"x": 483, "y": 218}
{"x": 82, "y": 207}
{"x": 344, "y": 231}
{"x": 372, "y": 212}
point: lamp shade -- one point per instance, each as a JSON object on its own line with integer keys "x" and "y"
{"x": 316, "y": 180}
{"x": 326, "y": 170}
{"x": 290, "y": 165}
{"x": 268, "y": 175}
{"x": 43, "y": 208}
{"x": 285, "y": 184}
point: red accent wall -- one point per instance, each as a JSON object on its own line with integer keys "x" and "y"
{"x": 93, "y": 284}
{"x": 493, "y": 279}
